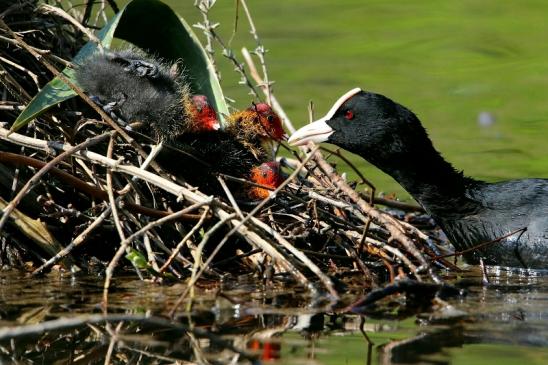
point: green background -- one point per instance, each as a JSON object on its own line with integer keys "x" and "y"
{"x": 448, "y": 61}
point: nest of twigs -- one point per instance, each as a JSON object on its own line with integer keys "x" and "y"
{"x": 76, "y": 193}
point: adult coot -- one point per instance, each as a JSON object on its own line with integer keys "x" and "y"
{"x": 469, "y": 211}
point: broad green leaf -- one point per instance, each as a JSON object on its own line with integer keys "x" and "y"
{"x": 154, "y": 27}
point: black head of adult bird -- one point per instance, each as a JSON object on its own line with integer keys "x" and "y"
{"x": 514, "y": 213}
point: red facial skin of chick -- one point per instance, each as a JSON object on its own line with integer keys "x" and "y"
{"x": 204, "y": 116}
{"x": 270, "y": 121}
{"x": 267, "y": 174}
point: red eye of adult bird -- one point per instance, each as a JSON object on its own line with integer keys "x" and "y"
{"x": 267, "y": 174}
{"x": 349, "y": 115}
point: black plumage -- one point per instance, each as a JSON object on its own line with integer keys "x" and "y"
{"x": 199, "y": 157}
{"x": 136, "y": 87}
{"x": 469, "y": 211}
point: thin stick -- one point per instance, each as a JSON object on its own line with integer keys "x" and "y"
{"x": 113, "y": 202}
{"x": 125, "y": 243}
{"x": 84, "y": 187}
{"x": 274, "y": 102}
{"x": 36, "y": 178}
{"x": 358, "y": 172}
{"x": 260, "y": 51}
{"x": 230, "y": 197}
{"x": 75, "y": 243}
{"x": 204, "y": 6}
{"x": 481, "y": 245}
{"x": 209, "y": 29}
{"x": 190, "y": 233}
{"x": 197, "y": 254}
{"x": 47, "y": 9}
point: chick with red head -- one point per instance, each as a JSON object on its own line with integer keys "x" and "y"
{"x": 267, "y": 174}
{"x": 258, "y": 128}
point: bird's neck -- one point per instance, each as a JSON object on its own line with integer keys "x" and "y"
{"x": 434, "y": 183}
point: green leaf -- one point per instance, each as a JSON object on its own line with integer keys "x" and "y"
{"x": 154, "y": 27}
{"x": 137, "y": 259}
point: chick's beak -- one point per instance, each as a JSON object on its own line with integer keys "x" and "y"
{"x": 317, "y": 132}
{"x": 216, "y": 125}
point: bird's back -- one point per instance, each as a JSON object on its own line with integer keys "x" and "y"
{"x": 516, "y": 210}
{"x": 154, "y": 100}
{"x": 199, "y": 158}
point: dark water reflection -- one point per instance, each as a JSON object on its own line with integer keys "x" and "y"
{"x": 503, "y": 323}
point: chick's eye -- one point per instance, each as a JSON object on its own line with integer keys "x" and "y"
{"x": 270, "y": 118}
{"x": 349, "y": 115}
{"x": 265, "y": 175}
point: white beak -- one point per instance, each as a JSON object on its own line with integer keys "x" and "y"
{"x": 316, "y": 132}
{"x": 319, "y": 131}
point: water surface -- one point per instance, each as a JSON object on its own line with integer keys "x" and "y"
{"x": 501, "y": 323}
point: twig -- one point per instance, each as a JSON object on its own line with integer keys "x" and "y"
{"x": 75, "y": 243}
{"x": 481, "y": 245}
{"x": 190, "y": 233}
{"x": 260, "y": 51}
{"x": 47, "y": 9}
{"x": 113, "y": 202}
{"x": 273, "y": 101}
{"x": 209, "y": 29}
{"x": 125, "y": 243}
{"x": 204, "y": 6}
{"x": 36, "y": 178}
{"x": 230, "y": 197}
{"x": 20, "y": 160}
{"x": 358, "y": 172}
{"x": 197, "y": 253}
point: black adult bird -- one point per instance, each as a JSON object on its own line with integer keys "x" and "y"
{"x": 469, "y": 211}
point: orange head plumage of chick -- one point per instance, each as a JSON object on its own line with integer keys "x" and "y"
{"x": 259, "y": 129}
{"x": 268, "y": 174}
